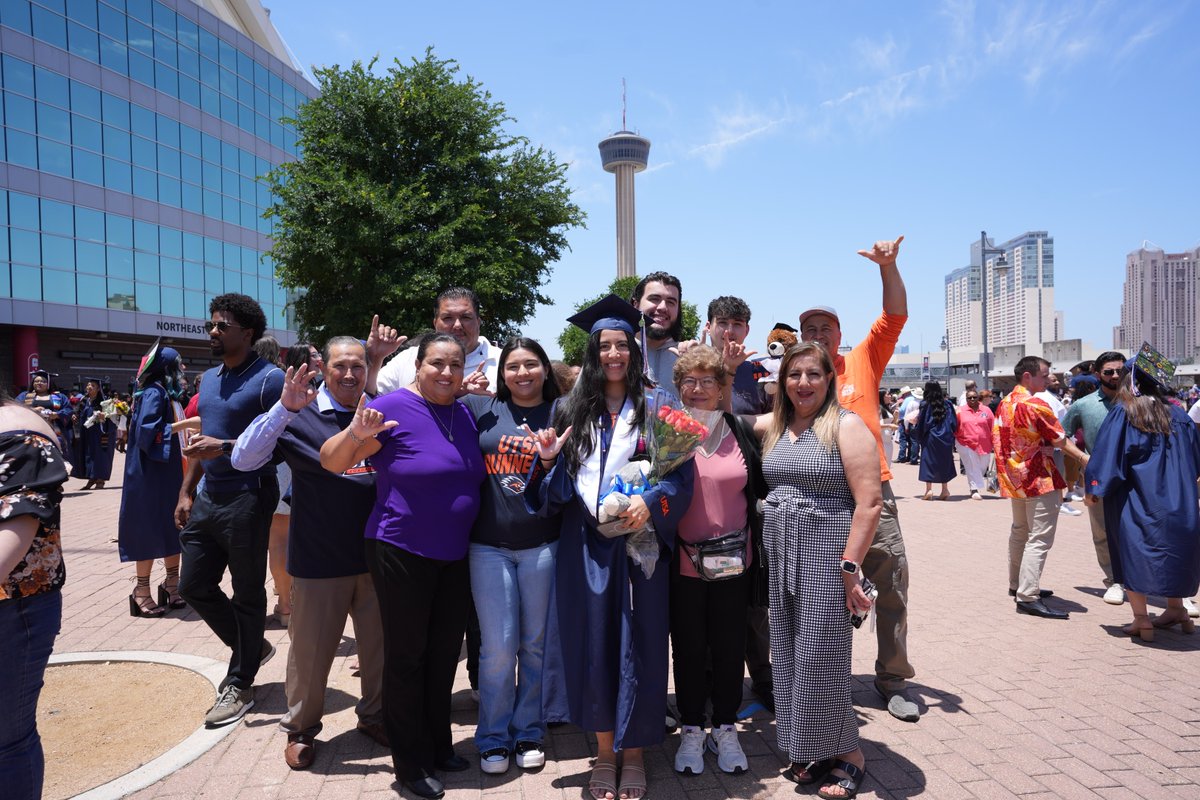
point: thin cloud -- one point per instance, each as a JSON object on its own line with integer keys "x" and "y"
{"x": 733, "y": 129}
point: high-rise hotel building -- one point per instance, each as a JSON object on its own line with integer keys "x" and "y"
{"x": 134, "y": 134}
{"x": 1161, "y": 303}
{"x": 1020, "y": 296}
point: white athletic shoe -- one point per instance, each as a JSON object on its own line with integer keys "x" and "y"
{"x": 724, "y": 742}
{"x": 1115, "y": 595}
{"x": 690, "y": 756}
{"x": 1070, "y": 510}
{"x": 1074, "y": 497}
{"x": 1190, "y": 605}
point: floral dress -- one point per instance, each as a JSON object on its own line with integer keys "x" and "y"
{"x": 32, "y": 473}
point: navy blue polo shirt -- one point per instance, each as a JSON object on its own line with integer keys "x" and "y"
{"x": 230, "y": 399}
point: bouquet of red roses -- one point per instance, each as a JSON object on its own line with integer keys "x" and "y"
{"x": 675, "y": 435}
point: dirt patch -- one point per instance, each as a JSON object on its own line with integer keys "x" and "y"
{"x": 99, "y": 721}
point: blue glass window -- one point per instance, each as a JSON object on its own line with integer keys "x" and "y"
{"x": 249, "y": 216}
{"x": 168, "y": 131}
{"x": 193, "y": 247}
{"x": 210, "y": 73}
{"x": 228, "y": 55}
{"x": 21, "y": 148}
{"x": 213, "y": 280}
{"x": 189, "y": 62}
{"x": 230, "y": 155}
{"x": 210, "y": 101}
{"x": 189, "y": 139}
{"x": 193, "y": 303}
{"x": 143, "y": 121}
{"x": 145, "y": 236}
{"x": 116, "y": 143}
{"x": 191, "y": 169}
{"x": 193, "y": 198}
{"x": 91, "y": 291}
{"x": 3, "y": 212}
{"x": 85, "y": 100}
{"x": 82, "y": 11}
{"x": 229, "y": 110}
{"x": 89, "y": 257}
{"x": 58, "y": 286}
{"x": 140, "y": 38}
{"x": 26, "y": 282}
{"x": 140, "y": 9}
{"x": 112, "y": 23}
{"x": 189, "y": 91}
{"x": 228, "y": 82}
{"x": 144, "y": 153}
{"x": 208, "y": 44}
{"x": 120, "y": 262}
{"x": 212, "y": 204}
{"x": 120, "y": 295}
{"x": 169, "y": 191}
{"x": 229, "y": 182}
{"x": 172, "y": 301}
{"x": 54, "y": 158}
{"x": 87, "y": 167}
{"x": 115, "y": 110}
{"x": 193, "y": 274}
{"x": 24, "y": 211}
{"x": 171, "y": 271}
{"x": 49, "y": 27}
{"x": 52, "y": 87}
{"x": 166, "y": 79}
{"x": 213, "y": 251}
{"x": 231, "y": 211}
{"x": 245, "y": 91}
{"x": 20, "y": 112}
{"x": 141, "y": 68}
{"x": 57, "y": 217}
{"x": 212, "y": 176}
{"x": 83, "y": 42}
{"x": 114, "y": 55}
{"x": 87, "y": 133}
{"x": 145, "y": 267}
{"x": 89, "y": 224}
{"x": 58, "y": 252}
{"x": 119, "y": 230}
{"x": 26, "y": 246}
{"x": 18, "y": 75}
{"x": 145, "y": 184}
{"x": 15, "y": 14}
{"x": 189, "y": 33}
{"x": 54, "y": 123}
{"x": 233, "y": 281}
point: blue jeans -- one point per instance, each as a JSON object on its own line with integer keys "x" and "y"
{"x": 27, "y": 627}
{"x": 512, "y": 597}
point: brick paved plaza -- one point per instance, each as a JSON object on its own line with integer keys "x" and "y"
{"x": 1014, "y": 706}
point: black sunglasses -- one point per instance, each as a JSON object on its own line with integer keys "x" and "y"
{"x": 1107, "y": 372}
{"x": 222, "y": 326}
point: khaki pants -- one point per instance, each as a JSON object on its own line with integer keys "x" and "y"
{"x": 1035, "y": 520}
{"x": 887, "y": 566}
{"x": 319, "y": 609}
{"x": 1100, "y": 541}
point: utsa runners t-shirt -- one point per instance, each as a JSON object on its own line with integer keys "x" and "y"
{"x": 508, "y": 455}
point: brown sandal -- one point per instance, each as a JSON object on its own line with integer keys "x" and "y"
{"x": 603, "y": 783}
{"x": 636, "y": 784}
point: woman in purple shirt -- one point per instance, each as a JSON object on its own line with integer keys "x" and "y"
{"x": 424, "y": 448}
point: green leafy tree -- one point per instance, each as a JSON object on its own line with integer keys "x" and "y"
{"x": 408, "y": 184}
{"x": 573, "y": 341}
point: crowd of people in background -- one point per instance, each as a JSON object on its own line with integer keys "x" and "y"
{"x": 425, "y": 487}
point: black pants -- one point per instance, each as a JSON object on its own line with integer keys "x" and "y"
{"x": 758, "y": 648}
{"x": 708, "y": 627}
{"x": 230, "y": 529}
{"x": 423, "y": 603}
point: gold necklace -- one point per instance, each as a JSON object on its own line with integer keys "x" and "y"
{"x": 450, "y": 430}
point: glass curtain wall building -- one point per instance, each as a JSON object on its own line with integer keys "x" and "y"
{"x": 134, "y": 133}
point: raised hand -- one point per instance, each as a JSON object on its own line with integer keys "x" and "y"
{"x": 734, "y": 353}
{"x": 368, "y": 422}
{"x": 297, "y": 388}
{"x": 477, "y": 382}
{"x": 383, "y": 340}
{"x": 883, "y": 252}
{"x": 549, "y": 444}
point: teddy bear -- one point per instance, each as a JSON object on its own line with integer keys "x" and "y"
{"x": 781, "y": 337}
{"x": 631, "y": 479}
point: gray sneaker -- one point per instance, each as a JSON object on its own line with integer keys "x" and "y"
{"x": 899, "y": 705}
{"x": 232, "y": 704}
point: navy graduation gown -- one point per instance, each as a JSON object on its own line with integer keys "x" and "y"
{"x": 1148, "y": 482}
{"x": 153, "y": 474}
{"x": 937, "y": 444}
{"x": 94, "y": 446}
{"x": 606, "y": 657}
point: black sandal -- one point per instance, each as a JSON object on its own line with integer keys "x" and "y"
{"x": 806, "y": 774}
{"x": 850, "y": 783}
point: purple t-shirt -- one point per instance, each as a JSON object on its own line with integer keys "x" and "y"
{"x": 426, "y": 486}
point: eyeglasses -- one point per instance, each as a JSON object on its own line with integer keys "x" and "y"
{"x": 222, "y": 326}
{"x": 703, "y": 383}
{"x": 1110, "y": 372}
{"x": 972, "y": 397}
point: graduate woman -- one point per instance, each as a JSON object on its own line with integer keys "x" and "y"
{"x": 606, "y": 639}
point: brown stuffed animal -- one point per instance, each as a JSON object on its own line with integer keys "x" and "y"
{"x": 781, "y": 337}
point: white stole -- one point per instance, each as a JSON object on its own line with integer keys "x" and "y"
{"x": 590, "y": 483}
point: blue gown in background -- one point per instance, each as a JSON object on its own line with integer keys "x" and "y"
{"x": 937, "y": 444}
{"x": 153, "y": 474}
{"x": 606, "y": 636}
{"x": 94, "y": 446}
{"x": 1148, "y": 483}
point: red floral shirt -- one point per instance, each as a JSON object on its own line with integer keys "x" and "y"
{"x": 32, "y": 473}
{"x": 1024, "y": 425}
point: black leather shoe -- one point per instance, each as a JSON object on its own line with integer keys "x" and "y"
{"x": 1043, "y": 593}
{"x": 1039, "y": 609}
{"x": 428, "y": 787}
{"x": 452, "y": 763}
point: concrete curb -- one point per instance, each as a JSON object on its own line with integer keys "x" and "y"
{"x": 197, "y": 744}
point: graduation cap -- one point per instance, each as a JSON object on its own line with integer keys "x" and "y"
{"x": 783, "y": 326}
{"x": 610, "y": 313}
{"x": 40, "y": 373}
{"x": 1153, "y": 364}
{"x": 148, "y": 359}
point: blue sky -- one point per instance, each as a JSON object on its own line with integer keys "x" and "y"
{"x": 787, "y": 135}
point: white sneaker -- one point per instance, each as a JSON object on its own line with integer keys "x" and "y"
{"x": 1190, "y": 605}
{"x": 530, "y": 755}
{"x": 690, "y": 756}
{"x": 1068, "y": 509}
{"x": 1074, "y": 497}
{"x": 724, "y": 742}
{"x": 494, "y": 761}
{"x": 1115, "y": 595}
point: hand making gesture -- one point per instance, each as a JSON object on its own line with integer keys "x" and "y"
{"x": 549, "y": 444}
{"x": 382, "y": 341}
{"x": 733, "y": 353}
{"x": 883, "y": 253}
{"x": 368, "y": 422}
{"x": 477, "y": 382}
{"x": 298, "y": 390}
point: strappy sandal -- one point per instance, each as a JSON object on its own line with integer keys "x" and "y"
{"x": 849, "y": 784}
{"x": 806, "y": 774}
{"x": 603, "y": 781}
{"x": 638, "y": 785}
{"x": 168, "y": 595}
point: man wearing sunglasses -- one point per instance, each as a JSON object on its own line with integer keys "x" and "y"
{"x": 1089, "y": 413}
{"x": 228, "y": 521}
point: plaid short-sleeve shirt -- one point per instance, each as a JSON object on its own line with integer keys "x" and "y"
{"x": 1024, "y": 425}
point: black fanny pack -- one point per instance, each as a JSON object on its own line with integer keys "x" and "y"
{"x": 721, "y": 558}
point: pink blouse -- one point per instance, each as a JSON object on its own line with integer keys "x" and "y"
{"x": 718, "y": 499}
{"x": 975, "y": 428}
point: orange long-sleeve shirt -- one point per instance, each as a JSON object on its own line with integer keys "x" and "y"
{"x": 859, "y": 374}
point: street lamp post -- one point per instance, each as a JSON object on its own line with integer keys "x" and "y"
{"x": 1001, "y": 263}
{"x": 946, "y": 347}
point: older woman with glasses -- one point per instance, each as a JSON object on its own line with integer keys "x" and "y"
{"x": 974, "y": 438}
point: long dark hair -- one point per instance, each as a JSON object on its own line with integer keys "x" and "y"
{"x": 936, "y": 399}
{"x": 550, "y": 389}
{"x": 1149, "y": 411}
{"x": 297, "y": 355}
{"x": 585, "y": 404}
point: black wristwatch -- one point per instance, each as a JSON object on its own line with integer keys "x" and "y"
{"x": 226, "y": 447}
{"x": 849, "y": 567}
